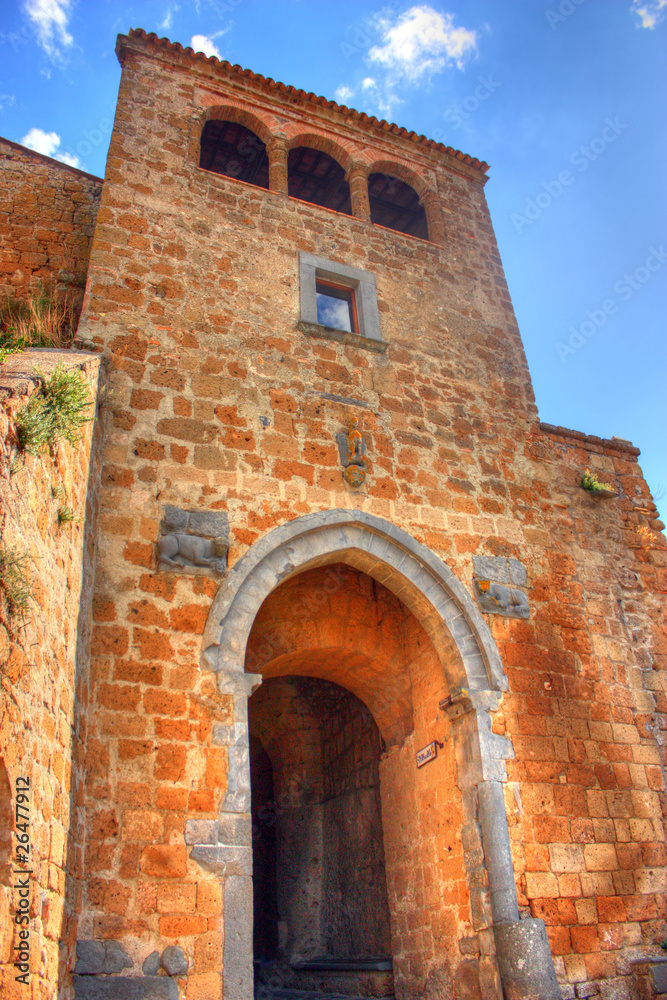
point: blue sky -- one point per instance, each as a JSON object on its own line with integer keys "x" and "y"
{"x": 565, "y": 99}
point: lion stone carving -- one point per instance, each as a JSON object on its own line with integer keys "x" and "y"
{"x": 191, "y": 550}
{"x": 500, "y": 600}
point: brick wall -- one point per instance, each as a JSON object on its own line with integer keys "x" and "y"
{"x": 586, "y": 712}
{"x": 220, "y": 402}
{"x": 39, "y": 679}
{"x": 47, "y": 219}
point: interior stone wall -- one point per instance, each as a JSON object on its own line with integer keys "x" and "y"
{"x": 330, "y": 855}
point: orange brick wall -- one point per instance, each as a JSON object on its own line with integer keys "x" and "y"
{"x": 219, "y": 403}
{"x": 586, "y": 713}
{"x": 38, "y": 663}
{"x": 47, "y": 219}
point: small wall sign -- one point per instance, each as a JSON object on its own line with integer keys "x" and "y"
{"x": 428, "y": 753}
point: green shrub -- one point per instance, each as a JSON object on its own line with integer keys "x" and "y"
{"x": 590, "y": 482}
{"x": 15, "y": 592}
{"x": 58, "y": 410}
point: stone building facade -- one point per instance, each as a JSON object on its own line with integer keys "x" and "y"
{"x": 344, "y": 607}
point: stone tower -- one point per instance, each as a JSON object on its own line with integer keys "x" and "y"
{"x": 353, "y": 614}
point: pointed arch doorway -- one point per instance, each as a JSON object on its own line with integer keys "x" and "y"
{"x": 451, "y": 887}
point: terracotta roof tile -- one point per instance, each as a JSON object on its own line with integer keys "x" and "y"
{"x": 360, "y": 116}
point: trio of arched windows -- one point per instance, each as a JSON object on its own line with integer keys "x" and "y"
{"x": 233, "y": 150}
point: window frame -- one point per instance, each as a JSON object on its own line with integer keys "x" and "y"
{"x": 350, "y": 298}
{"x": 362, "y": 284}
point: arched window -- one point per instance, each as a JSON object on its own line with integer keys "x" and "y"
{"x": 316, "y": 177}
{"x": 233, "y": 150}
{"x": 396, "y": 205}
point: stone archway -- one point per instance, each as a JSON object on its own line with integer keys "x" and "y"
{"x": 474, "y": 678}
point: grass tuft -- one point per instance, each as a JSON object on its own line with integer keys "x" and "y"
{"x": 57, "y": 411}
{"x": 65, "y": 515}
{"x": 42, "y": 321}
{"x": 15, "y": 592}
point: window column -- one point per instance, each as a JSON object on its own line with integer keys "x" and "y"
{"x": 357, "y": 178}
{"x": 278, "y": 148}
{"x": 434, "y": 220}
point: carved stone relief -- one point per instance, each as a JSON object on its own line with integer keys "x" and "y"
{"x": 193, "y": 541}
{"x": 496, "y": 590}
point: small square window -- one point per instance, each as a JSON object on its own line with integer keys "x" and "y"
{"x": 336, "y": 306}
{"x": 336, "y": 297}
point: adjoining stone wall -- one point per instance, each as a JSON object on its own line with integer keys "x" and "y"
{"x": 38, "y": 682}
{"x": 586, "y": 712}
{"x": 222, "y": 403}
{"x": 47, "y": 220}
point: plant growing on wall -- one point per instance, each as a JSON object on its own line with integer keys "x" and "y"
{"x": 42, "y": 321}
{"x": 590, "y": 482}
{"x": 15, "y": 592}
{"x": 65, "y": 515}
{"x": 57, "y": 411}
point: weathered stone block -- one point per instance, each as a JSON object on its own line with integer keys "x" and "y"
{"x": 151, "y": 964}
{"x": 124, "y": 988}
{"x": 90, "y": 957}
{"x": 173, "y": 961}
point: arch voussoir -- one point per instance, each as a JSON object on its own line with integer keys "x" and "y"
{"x": 383, "y": 551}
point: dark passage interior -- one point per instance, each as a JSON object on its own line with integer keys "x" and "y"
{"x": 320, "y": 897}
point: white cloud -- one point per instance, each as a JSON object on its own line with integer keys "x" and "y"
{"x": 381, "y": 98}
{"x": 423, "y": 42}
{"x": 200, "y": 43}
{"x": 47, "y": 143}
{"x": 72, "y": 161}
{"x": 42, "y": 142}
{"x": 343, "y": 94}
{"x": 413, "y": 47}
{"x": 50, "y": 19}
{"x": 6, "y": 101}
{"x": 651, "y": 12}
{"x": 171, "y": 10}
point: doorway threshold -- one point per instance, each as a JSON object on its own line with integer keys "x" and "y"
{"x": 344, "y": 965}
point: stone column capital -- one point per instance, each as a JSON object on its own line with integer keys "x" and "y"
{"x": 358, "y": 169}
{"x": 277, "y": 143}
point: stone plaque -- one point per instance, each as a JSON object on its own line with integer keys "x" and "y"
{"x": 429, "y": 753}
